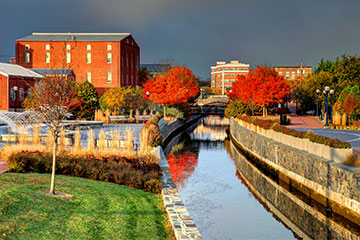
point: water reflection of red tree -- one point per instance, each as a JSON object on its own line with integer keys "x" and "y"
{"x": 182, "y": 166}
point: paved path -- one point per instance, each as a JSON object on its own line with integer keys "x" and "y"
{"x": 3, "y": 166}
{"x": 302, "y": 121}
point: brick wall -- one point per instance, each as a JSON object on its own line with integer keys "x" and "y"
{"x": 3, "y": 92}
{"x": 124, "y": 73}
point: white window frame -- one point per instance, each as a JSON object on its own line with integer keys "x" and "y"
{"x": 47, "y": 47}
{"x": 109, "y": 58}
{"x": 88, "y": 57}
{"x": 109, "y": 77}
{"x": 27, "y": 47}
{"x": 68, "y": 47}
{"x": 88, "y": 77}
{"x": 47, "y": 57}
{"x": 88, "y": 47}
{"x": 68, "y": 57}
{"x": 27, "y": 57}
{"x": 109, "y": 47}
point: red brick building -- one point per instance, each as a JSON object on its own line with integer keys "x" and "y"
{"x": 15, "y": 82}
{"x": 106, "y": 60}
{"x": 293, "y": 72}
{"x": 223, "y": 75}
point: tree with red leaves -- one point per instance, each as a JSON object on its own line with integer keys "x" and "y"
{"x": 260, "y": 87}
{"x": 176, "y": 86}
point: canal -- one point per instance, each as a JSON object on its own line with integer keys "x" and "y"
{"x": 231, "y": 197}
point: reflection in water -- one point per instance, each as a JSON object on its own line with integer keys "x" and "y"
{"x": 305, "y": 217}
{"x": 222, "y": 191}
{"x": 185, "y": 159}
{"x": 211, "y": 129}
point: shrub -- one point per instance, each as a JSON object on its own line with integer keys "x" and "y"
{"x": 119, "y": 170}
{"x": 174, "y": 112}
{"x": 235, "y": 108}
{"x": 353, "y": 160}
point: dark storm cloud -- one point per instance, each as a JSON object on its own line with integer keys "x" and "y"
{"x": 199, "y": 32}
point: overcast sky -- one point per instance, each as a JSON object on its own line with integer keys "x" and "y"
{"x": 198, "y": 33}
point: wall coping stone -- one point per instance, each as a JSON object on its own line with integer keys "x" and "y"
{"x": 182, "y": 224}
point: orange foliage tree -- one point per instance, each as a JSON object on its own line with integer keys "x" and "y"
{"x": 176, "y": 86}
{"x": 261, "y": 87}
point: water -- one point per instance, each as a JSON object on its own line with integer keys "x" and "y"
{"x": 228, "y": 197}
{"x": 115, "y": 128}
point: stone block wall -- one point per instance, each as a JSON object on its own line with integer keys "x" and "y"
{"x": 330, "y": 183}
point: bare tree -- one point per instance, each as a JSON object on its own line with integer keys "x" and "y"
{"x": 51, "y": 98}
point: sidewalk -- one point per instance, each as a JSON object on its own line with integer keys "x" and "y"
{"x": 3, "y": 166}
{"x": 302, "y": 121}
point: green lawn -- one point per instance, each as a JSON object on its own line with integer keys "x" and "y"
{"x": 99, "y": 210}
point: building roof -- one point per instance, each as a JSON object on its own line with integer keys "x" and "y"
{"x": 62, "y": 37}
{"x": 156, "y": 67}
{"x": 292, "y": 67}
{"x": 9, "y": 69}
{"x": 45, "y": 71}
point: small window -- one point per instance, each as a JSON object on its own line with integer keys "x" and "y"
{"x": 88, "y": 76}
{"x": 109, "y": 58}
{"x": 68, "y": 47}
{"x": 47, "y": 57}
{"x": 47, "y": 47}
{"x": 12, "y": 94}
{"x": 88, "y": 47}
{"x": 68, "y": 57}
{"x": 280, "y": 73}
{"x": 109, "y": 47}
{"x": 27, "y": 57}
{"x": 27, "y": 47}
{"x": 88, "y": 57}
{"x": 21, "y": 94}
{"x": 29, "y": 91}
{"x": 109, "y": 77}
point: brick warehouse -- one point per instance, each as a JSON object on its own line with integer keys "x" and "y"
{"x": 12, "y": 75}
{"x": 106, "y": 60}
{"x": 224, "y": 74}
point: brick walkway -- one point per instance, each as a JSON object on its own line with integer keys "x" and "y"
{"x": 302, "y": 121}
{"x": 3, "y": 166}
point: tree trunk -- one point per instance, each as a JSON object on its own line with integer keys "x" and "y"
{"x": 52, "y": 184}
{"x": 164, "y": 112}
{"x": 264, "y": 111}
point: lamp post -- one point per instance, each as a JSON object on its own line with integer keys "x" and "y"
{"x": 332, "y": 96}
{"x": 147, "y": 98}
{"x": 317, "y": 102}
{"x": 326, "y": 103}
{"x": 15, "y": 88}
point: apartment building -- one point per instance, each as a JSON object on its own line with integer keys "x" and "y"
{"x": 223, "y": 75}
{"x": 106, "y": 60}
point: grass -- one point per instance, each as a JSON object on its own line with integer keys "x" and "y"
{"x": 99, "y": 210}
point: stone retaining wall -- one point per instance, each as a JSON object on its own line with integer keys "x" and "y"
{"x": 332, "y": 184}
{"x": 304, "y": 144}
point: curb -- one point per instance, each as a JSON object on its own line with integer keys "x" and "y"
{"x": 182, "y": 224}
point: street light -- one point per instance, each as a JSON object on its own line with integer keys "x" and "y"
{"x": 317, "y": 102}
{"x": 326, "y": 103}
{"x": 147, "y": 98}
{"x": 332, "y": 96}
{"x": 15, "y": 88}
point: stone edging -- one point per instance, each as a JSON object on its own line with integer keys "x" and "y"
{"x": 182, "y": 224}
{"x": 337, "y": 155}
